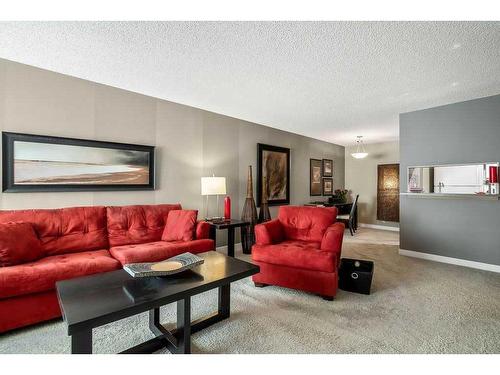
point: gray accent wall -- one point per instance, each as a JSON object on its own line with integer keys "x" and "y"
{"x": 190, "y": 142}
{"x": 464, "y": 228}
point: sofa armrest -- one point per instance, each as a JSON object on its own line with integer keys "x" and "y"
{"x": 202, "y": 230}
{"x": 332, "y": 239}
{"x": 269, "y": 233}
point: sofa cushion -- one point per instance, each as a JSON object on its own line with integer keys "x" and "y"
{"x": 65, "y": 230}
{"x": 137, "y": 224}
{"x": 180, "y": 226}
{"x": 18, "y": 244}
{"x": 303, "y": 257}
{"x": 306, "y": 223}
{"x": 42, "y": 275}
{"x": 158, "y": 250}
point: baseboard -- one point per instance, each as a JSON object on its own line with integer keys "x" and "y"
{"x": 449, "y": 260}
{"x": 381, "y": 227}
{"x": 237, "y": 247}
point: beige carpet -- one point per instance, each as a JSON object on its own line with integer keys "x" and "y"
{"x": 416, "y": 306}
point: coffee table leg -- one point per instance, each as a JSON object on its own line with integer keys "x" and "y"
{"x": 230, "y": 242}
{"x": 178, "y": 341}
{"x": 184, "y": 326}
{"x": 81, "y": 342}
{"x": 224, "y": 301}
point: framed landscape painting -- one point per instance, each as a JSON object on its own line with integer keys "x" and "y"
{"x": 44, "y": 163}
{"x": 315, "y": 177}
{"x": 273, "y": 166}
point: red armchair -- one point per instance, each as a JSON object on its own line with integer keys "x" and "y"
{"x": 300, "y": 250}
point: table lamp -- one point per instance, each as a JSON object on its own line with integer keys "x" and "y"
{"x": 213, "y": 186}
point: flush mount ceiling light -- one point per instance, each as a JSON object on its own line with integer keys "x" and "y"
{"x": 360, "y": 149}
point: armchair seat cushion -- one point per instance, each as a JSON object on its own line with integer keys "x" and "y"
{"x": 308, "y": 244}
{"x": 296, "y": 256}
{"x": 159, "y": 250}
{"x": 41, "y": 276}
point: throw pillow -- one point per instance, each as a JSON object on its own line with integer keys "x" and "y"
{"x": 180, "y": 226}
{"x": 18, "y": 244}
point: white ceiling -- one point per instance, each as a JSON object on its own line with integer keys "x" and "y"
{"x": 327, "y": 80}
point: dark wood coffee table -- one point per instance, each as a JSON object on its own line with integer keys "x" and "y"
{"x": 92, "y": 301}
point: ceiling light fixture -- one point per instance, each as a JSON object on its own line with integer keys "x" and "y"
{"x": 360, "y": 149}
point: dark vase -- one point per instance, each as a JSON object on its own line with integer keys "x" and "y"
{"x": 249, "y": 214}
{"x": 264, "y": 213}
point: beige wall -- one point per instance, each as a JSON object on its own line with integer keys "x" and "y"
{"x": 190, "y": 142}
{"x": 361, "y": 177}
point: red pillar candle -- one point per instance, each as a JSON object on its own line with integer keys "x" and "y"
{"x": 227, "y": 208}
{"x": 493, "y": 174}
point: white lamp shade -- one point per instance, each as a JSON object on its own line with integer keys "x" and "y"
{"x": 360, "y": 149}
{"x": 359, "y": 155}
{"x": 213, "y": 185}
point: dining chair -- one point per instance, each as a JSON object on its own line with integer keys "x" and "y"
{"x": 349, "y": 219}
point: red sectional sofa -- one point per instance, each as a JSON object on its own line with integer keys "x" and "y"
{"x": 300, "y": 250}
{"x": 80, "y": 241}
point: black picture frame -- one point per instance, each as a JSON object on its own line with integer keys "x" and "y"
{"x": 325, "y": 192}
{"x": 315, "y": 182}
{"x": 261, "y": 148}
{"x": 9, "y": 185}
{"x": 325, "y": 164}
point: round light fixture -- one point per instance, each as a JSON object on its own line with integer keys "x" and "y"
{"x": 360, "y": 149}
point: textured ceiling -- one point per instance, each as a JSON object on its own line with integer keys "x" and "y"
{"x": 327, "y": 80}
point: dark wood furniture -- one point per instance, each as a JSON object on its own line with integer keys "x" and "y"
{"x": 230, "y": 225}
{"x": 343, "y": 209}
{"x": 92, "y": 301}
{"x": 350, "y": 219}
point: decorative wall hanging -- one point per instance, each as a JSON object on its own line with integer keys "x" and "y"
{"x": 273, "y": 163}
{"x": 315, "y": 187}
{"x": 44, "y": 163}
{"x": 328, "y": 186}
{"x": 327, "y": 168}
{"x": 388, "y": 192}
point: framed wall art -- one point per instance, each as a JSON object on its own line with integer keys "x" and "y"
{"x": 45, "y": 163}
{"x": 315, "y": 187}
{"x": 327, "y": 168}
{"x": 328, "y": 186}
{"x": 388, "y": 192}
{"x": 273, "y": 166}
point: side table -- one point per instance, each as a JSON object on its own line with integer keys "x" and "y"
{"x": 230, "y": 225}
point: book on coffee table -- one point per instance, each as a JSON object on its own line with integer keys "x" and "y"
{"x": 167, "y": 267}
